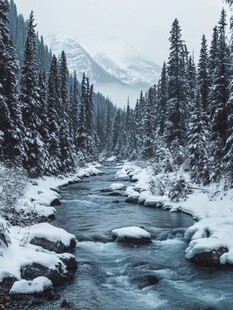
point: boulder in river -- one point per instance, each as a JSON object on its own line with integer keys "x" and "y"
{"x": 131, "y": 199}
{"x": 54, "y": 246}
{"x": 209, "y": 259}
{"x": 63, "y": 272}
{"x": 143, "y": 281}
{"x": 55, "y": 202}
{"x": 115, "y": 194}
{"x": 131, "y": 235}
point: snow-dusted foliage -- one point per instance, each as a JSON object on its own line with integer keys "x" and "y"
{"x": 13, "y": 182}
{"x": 5, "y": 239}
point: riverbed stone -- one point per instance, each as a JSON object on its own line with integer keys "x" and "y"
{"x": 143, "y": 281}
{"x": 115, "y": 194}
{"x": 57, "y": 246}
{"x": 55, "y": 202}
{"x": 209, "y": 259}
{"x": 131, "y": 200}
{"x": 106, "y": 190}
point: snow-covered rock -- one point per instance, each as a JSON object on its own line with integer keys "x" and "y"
{"x": 131, "y": 235}
{"x": 37, "y": 285}
{"x": 116, "y": 186}
{"x": 49, "y": 237}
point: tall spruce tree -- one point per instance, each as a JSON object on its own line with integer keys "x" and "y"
{"x": 10, "y": 113}
{"x": 54, "y": 106}
{"x": 176, "y": 88}
{"x": 203, "y": 80}
{"x": 162, "y": 100}
{"x": 219, "y": 97}
{"x": 29, "y": 98}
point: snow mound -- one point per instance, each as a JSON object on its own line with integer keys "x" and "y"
{"x": 38, "y": 285}
{"x": 116, "y": 186}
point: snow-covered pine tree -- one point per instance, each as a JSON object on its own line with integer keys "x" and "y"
{"x": 162, "y": 100}
{"x": 148, "y": 126}
{"x": 219, "y": 97}
{"x": 53, "y": 106}
{"x": 177, "y": 86}
{"x": 117, "y": 133}
{"x": 108, "y": 130}
{"x": 228, "y": 158}
{"x": 29, "y": 99}
{"x": 198, "y": 143}
{"x": 10, "y": 113}
{"x": 203, "y": 81}
{"x": 82, "y": 126}
{"x": 66, "y": 151}
{"x": 73, "y": 110}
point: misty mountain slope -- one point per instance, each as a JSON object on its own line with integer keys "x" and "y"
{"x": 78, "y": 59}
{"x": 123, "y": 61}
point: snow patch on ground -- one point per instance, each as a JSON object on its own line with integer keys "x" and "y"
{"x": 211, "y": 206}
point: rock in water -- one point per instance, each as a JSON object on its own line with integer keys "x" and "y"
{"x": 131, "y": 235}
{"x": 209, "y": 259}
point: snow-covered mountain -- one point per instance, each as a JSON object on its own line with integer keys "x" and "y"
{"x": 79, "y": 59}
{"x": 115, "y": 67}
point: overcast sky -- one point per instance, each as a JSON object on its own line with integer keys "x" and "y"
{"x": 145, "y": 24}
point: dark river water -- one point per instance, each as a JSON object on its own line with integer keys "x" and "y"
{"x": 105, "y": 279}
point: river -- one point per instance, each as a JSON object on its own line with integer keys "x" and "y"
{"x": 107, "y": 273}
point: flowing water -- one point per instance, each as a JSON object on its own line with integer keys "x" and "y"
{"x": 108, "y": 272}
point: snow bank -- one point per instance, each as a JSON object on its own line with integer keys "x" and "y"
{"x": 37, "y": 285}
{"x": 212, "y": 206}
{"x": 18, "y": 251}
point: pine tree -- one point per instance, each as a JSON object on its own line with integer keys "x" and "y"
{"x": 29, "y": 98}
{"x": 10, "y": 113}
{"x": 162, "y": 100}
{"x": 198, "y": 140}
{"x": 53, "y": 106}
{"x": 74, "y": 110}
{"x": 203, "y": 80}
{"x": 219, "y": 97}
{"x": 148, "y": 127}
{"x": 228, "y": 158}
{"x": 66, "y": 151}
{"x": 177, "y": 87}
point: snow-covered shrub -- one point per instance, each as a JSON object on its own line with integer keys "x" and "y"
{"x": 13, "y": 182}
{"x": 160, "y": 184}
{"x": 179, "y": 190}
{"x": 4, "y": 234}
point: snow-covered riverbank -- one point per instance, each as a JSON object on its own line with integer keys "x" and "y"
{"x": 211, "y": 206}
{"x": 38, "y": 244}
